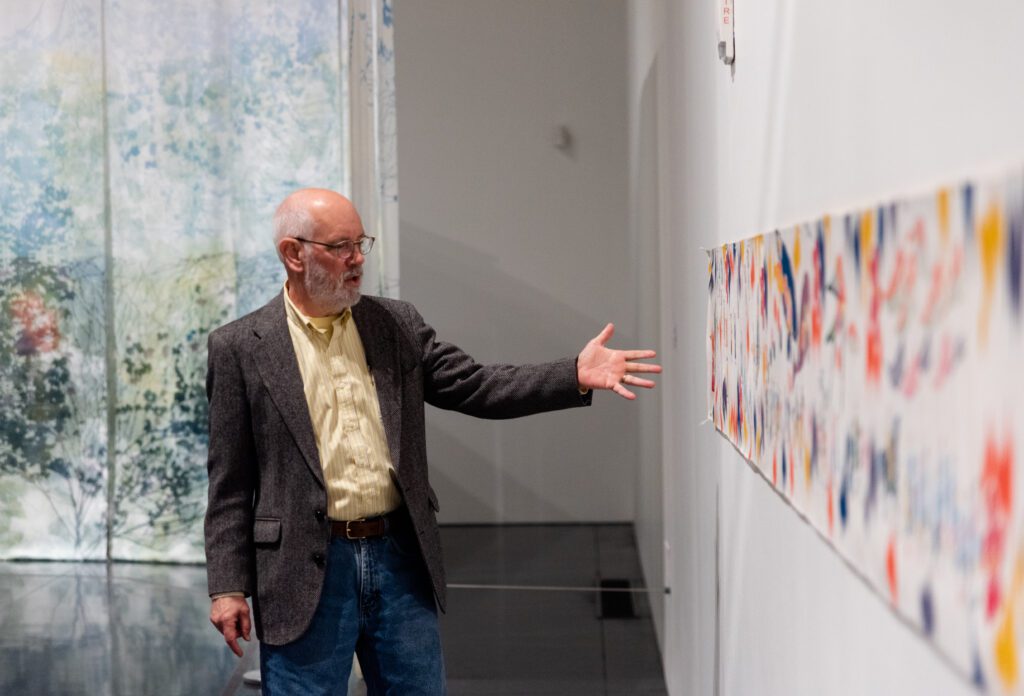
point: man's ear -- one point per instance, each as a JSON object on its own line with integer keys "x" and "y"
{"x": 291, "y": 254}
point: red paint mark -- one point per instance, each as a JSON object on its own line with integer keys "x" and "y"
{"x": 993, "y": 597}
{"x": 816, "y": 322}
{"x": 874, "y": 353}
{"x": 873, "y": 350}
{"x": 890, "y": 569}
{"x": 997, "y": 493}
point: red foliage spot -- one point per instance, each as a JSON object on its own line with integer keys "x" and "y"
{"x": 39, "y": 332}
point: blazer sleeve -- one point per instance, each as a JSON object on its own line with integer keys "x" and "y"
{"x": 231, "y": 465}
{"x": 453, "y": 380}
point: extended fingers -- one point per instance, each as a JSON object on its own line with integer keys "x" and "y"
{"x": 606, "y": 334}
{"x": 231, "y": 638}
{"x": 639, "y": 354}
{"x": 637, "y": 382}
{"x": 642, "y": 367}
{"x": 623, "y": 392}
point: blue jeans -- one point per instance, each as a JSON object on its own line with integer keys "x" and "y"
{"x": 377, "y": 602}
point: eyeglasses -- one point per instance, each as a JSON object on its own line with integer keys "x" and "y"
{"x": 346, "y": 248}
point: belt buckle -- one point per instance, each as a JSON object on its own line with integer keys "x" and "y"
{"x": 348, "y": 530}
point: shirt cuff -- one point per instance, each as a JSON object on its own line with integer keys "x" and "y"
{"x": 218, "y": 595}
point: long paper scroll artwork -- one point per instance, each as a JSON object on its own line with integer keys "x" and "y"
{"x": 871, "y": 367}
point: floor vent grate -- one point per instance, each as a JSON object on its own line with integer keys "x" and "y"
{"x": 616, "y": 599}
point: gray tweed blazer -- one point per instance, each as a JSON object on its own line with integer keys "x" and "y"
{"x": 266, "y": 531}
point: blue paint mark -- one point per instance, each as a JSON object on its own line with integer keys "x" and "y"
{"x": 784, "y": 468}
{"x": 927, "y": 612}
{"x": 764, "y": 290}
{"x": 896, "y": 368}
{"x": 739, "y": 410}
{"x": 977, "y": 675}
{"x": 1013, "y": 259}
{"x": 881, "y": 229}
{"x": 820, "y": 244}
{"x": 787, "y": 271}
{"x": 924, "y": 359}
{"x": 853, "y": 237}
{"x": 386, "y": 12}
{"x": 760, "y": 437}
{"x": 814, "y": 443}
{"x": 968, "y": 197}
{"x": 844, "y": 490}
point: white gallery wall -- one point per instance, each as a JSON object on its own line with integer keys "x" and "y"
{"x": 830, "y": 106}
{"x": 516, "y": 246}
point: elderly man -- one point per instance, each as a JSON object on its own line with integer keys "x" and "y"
{"x": 320, "y": 507}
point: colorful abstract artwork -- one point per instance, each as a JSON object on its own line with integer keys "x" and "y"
{"x": 143, "y": 148}
{"x": 868, "y": 365}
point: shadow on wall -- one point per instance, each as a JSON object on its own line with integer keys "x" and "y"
{"x": 518, "y": 470}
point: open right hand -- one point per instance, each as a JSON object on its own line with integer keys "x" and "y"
{"x": 231, "y": 617}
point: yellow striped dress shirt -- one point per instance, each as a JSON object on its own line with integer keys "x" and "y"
{"x": 343, "y": 406}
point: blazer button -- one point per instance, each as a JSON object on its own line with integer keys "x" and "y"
{"x": 318, "y": 558}
{"x": 320, "y": 516}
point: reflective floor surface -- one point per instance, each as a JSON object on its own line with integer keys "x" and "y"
{"x": 131, "y": 629}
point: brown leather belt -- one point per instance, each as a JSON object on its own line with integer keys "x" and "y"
{"x": 360, "y": 529}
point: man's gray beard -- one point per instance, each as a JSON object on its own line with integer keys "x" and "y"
{"x": 329, "y": 291}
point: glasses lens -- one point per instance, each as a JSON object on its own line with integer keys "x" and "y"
{"x": 365, "y": 244}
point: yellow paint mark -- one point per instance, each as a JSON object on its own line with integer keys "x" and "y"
{"x": 1005, "y": 648}
{"x": 1005, "y": 644}
{"x": 780, "y": 280}
{"x": 943, "y": 205}
{"x": 827, "y": 221}
{"x": 796, "y": 249}
{"x": 807, "y": 466}
{"x": 990, "y": 243}
{"x": 867, "y": 234}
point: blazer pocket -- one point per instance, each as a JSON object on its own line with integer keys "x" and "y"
{"x": 266, "y": 530}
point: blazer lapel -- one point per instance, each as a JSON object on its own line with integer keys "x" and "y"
{"x": 377, "y": 334}
{"x": 279, "y": 370}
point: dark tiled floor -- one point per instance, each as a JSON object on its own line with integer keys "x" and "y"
{"x": 83, "y": 628}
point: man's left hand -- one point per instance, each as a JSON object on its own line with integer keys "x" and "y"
{"x": 600, "y": 367}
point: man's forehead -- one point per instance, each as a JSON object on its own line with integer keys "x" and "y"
{"x": 330, "y": 233}
{"x": 334, "y": 223}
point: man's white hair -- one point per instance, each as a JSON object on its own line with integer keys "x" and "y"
{"x": 291, "y": 219}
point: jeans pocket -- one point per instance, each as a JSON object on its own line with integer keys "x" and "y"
{"x": 403, "y": 542}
